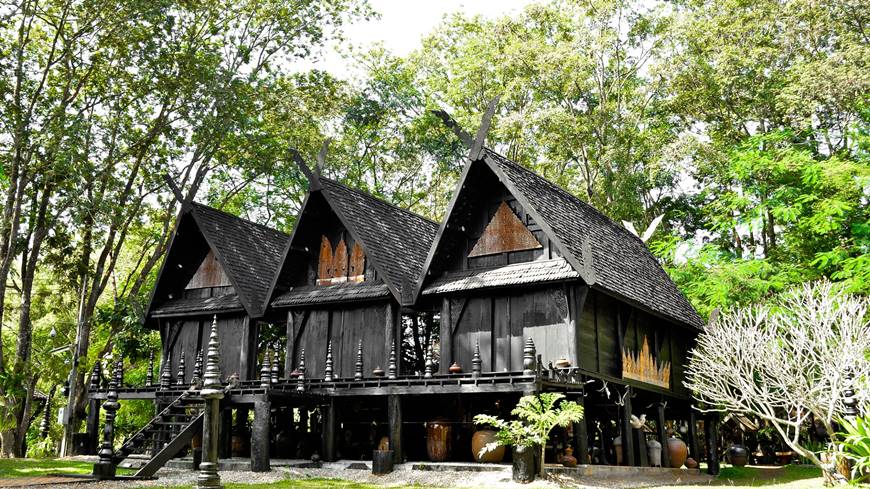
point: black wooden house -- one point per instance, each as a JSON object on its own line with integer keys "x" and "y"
{"x": 532, "y": 290}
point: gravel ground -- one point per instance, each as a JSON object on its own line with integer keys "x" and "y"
{"x": 497, "y": 480}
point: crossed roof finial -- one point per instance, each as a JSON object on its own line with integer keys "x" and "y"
{"x": 313, "y": 176}
{"x": 474, "y": 145}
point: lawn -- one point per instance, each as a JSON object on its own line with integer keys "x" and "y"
{"x": 791, "y": 477}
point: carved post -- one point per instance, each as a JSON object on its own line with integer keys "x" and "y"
{"x": 476, "y": 361}
{"x": 300, "y": 379}
{"x": 327, "y": 372}
{"x": 149, "y": 375}
{"x": 105, "y": 467}
{"x": 266, "y": 371}
{"x": 428, "y": 371}
{"x": 45, "y": 424}
{"x": 120, "y": 371}
{"x": 165, "y": 374}
{"x": 196, "y": 378}
{"x": 391, "y": 369}
{"x": 358, "y": 368}
{"x": 179, "y": 377}
{"x": 212, "y": 393}
{"x": 529, "y": 357}
{"x": 94, "y": 383}
{"x": 275, "y": 370}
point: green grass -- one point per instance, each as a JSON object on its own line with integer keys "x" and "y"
{"x": 27, "y": 467}
{"x": 306, "y": 484}
{"x": 788, "y": 477}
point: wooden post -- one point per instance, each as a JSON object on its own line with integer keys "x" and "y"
{"x": 105, "y": 467}
{"x": 247, "y": 365}
{"x": 290, "y": 346}
{"x": 446, "y": 337}
{"x": 627, "y": 430}
{"x": 394, "y": 413}
{"x": 260, "y": 437}
{"x": 711, "y": 425}
{"x": 693, "y": 436}
{"x": 663, "y": 434}
{"x": 226, "y": 438}
{"x": 212, "y": 392}
{"x": 581, "y": 436}
{"x": 329, "y": 432}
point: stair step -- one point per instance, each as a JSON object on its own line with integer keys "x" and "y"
{"x": 174, "y": 423}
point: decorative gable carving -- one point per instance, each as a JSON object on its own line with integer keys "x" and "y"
{"x": 209, "y": 274}
{"x": 504, "y": 233}
{"x": 643, "y": 367}
{"x": 335, "y": 267}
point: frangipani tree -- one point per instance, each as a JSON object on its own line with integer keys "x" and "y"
{"x": 786, "y": 362}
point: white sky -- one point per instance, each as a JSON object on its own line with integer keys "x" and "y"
{"x": 402, "y": 24}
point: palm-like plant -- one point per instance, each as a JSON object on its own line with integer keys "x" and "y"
{"x": 856, "y": 446}
{"x": 539, "y": 415}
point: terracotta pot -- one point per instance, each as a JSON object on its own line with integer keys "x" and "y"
{"x": 654, "y": 453}
{"x": 384, "y": 444}
{"x": 738, "y": 455}
{"x": 617, "y": 447}
{"x": 196, "y": 441}
{"x": 378, "y": 372}
{"x": 523, "y": 470}
{"x": 678, "y": 452}
{"x": 479, "y": 441}
{"x": 438, "y": 440}
{"x": 568, "y": 459}
{"x": 455, "y": 368}
{"x": 691, "y": 463}
{"x": 562, "y": 363}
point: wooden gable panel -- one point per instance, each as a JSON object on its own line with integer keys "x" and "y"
{"x": 325, "y": 270}
{"x": 209, "y": 274}
{"x": 339, "y": 262}
{"x": 357, "y": 270}
{"x": 504, "y": 233}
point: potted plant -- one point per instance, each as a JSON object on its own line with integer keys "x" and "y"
{"x": 538, "y": 414}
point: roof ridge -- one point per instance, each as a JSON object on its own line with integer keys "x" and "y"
{"x": 375, "y": 197}
{"x": 604, "y": 217}
{"x": 240, "y": 218}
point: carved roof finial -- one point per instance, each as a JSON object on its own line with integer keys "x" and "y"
{"x": 475, "y": 145}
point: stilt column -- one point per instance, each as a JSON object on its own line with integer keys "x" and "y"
{"x": 260, "y": 437}
{"x": 394, "y": 413}
{"x": 212, "y": 392}
{"x": 627, "y": 430}
{"x": 711, "y": 426}
{"x": 663, "y": 435}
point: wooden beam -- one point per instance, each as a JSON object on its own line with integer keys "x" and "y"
{"x": 313, "y": 178}
{"x": 454, "y": 126}
{"x": 329, "y": 431}
{"x": 581, "y": 435}
{"x": 663, "y": 435}
{"x": 260, "y": 437}
{"x": 394, "y": 419}
{"x": 627, "y": 430}
{"x": 485, "y": 123}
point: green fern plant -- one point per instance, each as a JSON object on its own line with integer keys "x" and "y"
{"x": 538, "y": 414}
{"x": 855, "y": 446}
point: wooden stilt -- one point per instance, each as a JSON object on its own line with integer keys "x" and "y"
{"x": 92, "y": 426}
{"x": 711, "y": 425}
{"x": 394, "y": 413}
{"x": 329, "y": 432}
{"x": 581, "y": 437}
{"x": 693, "y": 436}
{"x": 627, "y": 431}
{"x": 260, "y": 437}
{"x": 663, "y": 435}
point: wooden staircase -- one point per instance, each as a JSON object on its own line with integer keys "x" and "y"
{"x": 166, "y": 434}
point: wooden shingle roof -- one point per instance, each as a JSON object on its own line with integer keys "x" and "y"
{"x": 396, "y": 240}
{"x": 606, "y": 255}
{"x": 250, "y": 253}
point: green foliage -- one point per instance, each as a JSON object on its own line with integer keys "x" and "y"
{"x": 855, "y": 446}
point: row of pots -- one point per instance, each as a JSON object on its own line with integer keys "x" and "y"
{"x": 678, "y": 453}
{"x": 483, "y": 443}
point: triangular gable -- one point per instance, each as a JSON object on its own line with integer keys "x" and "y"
{"x": 247, "y": 254}
{"x": 209, "y": 274}
{"x": 393, "y": 240}
{"x": 503, "y": 221}
{"x": 504, "y": 233}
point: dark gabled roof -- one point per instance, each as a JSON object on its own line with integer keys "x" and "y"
{"x": 607, "y": 255}
{"x": 250, "y": 253}
{"x": 327, "y": 294}
{"x": 530, "y": 272}
{"x": 396, "y": 240}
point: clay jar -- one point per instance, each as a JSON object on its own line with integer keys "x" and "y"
{"x": 738, "y": 455}
{"x": 654, "y": 452}
{"x": 479, "y": 441}
{"x": 455, "y": 368}
{"x": 678, "y": 452}
{"x": 691, "y": 463}
{"x": 438, "y": 434}
{"x": 562, "y": 363}
{"x": 617, "y": 447}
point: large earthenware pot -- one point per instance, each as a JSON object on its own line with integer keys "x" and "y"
{"x": 677, "y": 452}
{"x": 617, "y": 447}
{"x": 483, "y": 447}
{"x": 196, "y": 441}
{"x": 524, "y": 464}
{"x": 438, "y": 440}
{"x": 568, "y": 459}
{"x": 738, "y": 455}
{"x": 654, "y": 453}
{"x": 691, "y": 463}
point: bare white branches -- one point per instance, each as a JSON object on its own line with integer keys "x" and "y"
{"x": 787, "y": 361}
